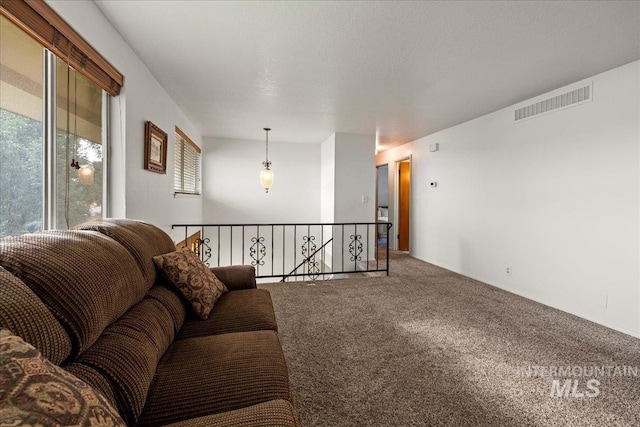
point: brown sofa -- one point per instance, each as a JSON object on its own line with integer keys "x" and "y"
{"x": 91, "y": 301}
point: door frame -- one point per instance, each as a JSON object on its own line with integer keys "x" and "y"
{"x": 378, "y": 182}
{"x": 378, "y": 201}
{"x": 396, "y": 199}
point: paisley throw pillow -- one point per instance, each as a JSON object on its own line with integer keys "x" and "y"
{"x": 193, "y": 278}
{"x": 35, "y": 392}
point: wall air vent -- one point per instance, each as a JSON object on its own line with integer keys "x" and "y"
{"x": 560, "y": 102}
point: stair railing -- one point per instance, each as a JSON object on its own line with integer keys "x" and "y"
{"x": 291, "y": 251}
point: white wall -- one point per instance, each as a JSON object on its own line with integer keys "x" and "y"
{"x": 355, "y": 177}
{"x": 555, "y": 198}
{"x": 135, "y": 192}
{"x": 328, "y": 179}
{"x": 231, "y": 184}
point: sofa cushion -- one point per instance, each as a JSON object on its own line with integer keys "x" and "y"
{"x": 38, "y": 393}
{"x": 273, "y": 413}
{"x": 236, "y": 311}
{"x": 169, "y": 296}
{"x": 94, "y": 378}
{"x": 142, "y": 240}
{"x": 193, "y": 278}
{"x": 216, "y": 374}
{"x": 128, "y": 352}
{"x": 19, "y": 307}
{"x": 86, "y": 279}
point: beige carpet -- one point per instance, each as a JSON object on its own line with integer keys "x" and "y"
{"x": 428, "y": 347}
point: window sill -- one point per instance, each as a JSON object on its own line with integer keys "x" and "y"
{"x": 186, "y": 195}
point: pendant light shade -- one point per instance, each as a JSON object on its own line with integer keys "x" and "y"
{"x": 85, "y": 174}
{"x": 266, "y": 178}
{"x": 266, "y": 174}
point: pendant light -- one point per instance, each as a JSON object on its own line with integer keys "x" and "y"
{"x": 266, "y": 174}
{"x": 85, "y": 174}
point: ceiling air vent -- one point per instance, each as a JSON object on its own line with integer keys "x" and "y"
{"x": 562, "y": 101}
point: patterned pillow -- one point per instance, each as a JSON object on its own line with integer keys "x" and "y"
{"x": 36, "y": 392}
{"x": 193, "y": 278}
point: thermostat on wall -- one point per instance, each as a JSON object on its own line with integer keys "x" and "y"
{"x": 433, "y": 147}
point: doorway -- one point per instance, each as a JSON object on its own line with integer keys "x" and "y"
{"x": 382, "y": 204}
{"x": 404, "y": 203}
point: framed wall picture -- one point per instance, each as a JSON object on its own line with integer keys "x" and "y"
{"x": 155, "y": 148}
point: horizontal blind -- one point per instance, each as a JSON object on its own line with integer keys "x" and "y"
{"x": 42, "y": 23}
{"x": 186, "y": 178}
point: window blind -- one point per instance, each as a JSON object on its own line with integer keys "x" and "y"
{"x": 186, "y": 177}
{"x": 42, "y": 23}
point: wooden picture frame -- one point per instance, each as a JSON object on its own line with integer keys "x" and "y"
{"x": 155, "y": 148}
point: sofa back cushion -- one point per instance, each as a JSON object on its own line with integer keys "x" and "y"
{"x": 167, "y": 294}
{"x": 20, "y": 307}
{"x": 142, "y": 240}
{"x": 86, "y": 279}
{"x": 128, "y": 353}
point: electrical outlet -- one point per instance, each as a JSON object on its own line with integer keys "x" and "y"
{"x": 602, "y": 300}
{"x": 507, "y": 270}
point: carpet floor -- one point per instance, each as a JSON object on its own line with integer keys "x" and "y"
{"x": 428, "y": 347}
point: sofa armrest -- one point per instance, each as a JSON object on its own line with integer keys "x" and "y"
{"x": 236, "y": 276}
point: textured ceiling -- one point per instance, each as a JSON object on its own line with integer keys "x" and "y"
{"x": 401, "y": 70}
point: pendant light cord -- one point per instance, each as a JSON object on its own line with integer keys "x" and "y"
{"x": 68, "y": 148}
{"x": 266, "y": 162}
{"x": 75, "y": 118}
{"x": 266, "y": 155}
{"x": 74, "y": 162}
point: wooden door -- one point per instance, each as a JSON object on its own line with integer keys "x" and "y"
{"x": 404, "y": 197}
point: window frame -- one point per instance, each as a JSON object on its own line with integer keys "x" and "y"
{"x": 50, "y": 144}
{"x": 183, "y": 142}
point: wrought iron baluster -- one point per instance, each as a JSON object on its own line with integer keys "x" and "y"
{"x": 257, "y": 251}
{"x": 355, "y": 247}
{"x": 322, "y": 254}
{"x": 218, "y": 246}
{"x": 388, "y": 230}
{"x": 342, "y": 247}
{"x": 377, "y": 247}
{"x": 231, "y": 245}
{"x": 309, "y": 249}
{"x": 203, "y": 250}
{"x": 367, "y": 260}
